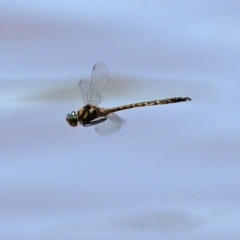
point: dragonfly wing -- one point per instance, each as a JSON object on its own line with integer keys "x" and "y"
{"x": 111, "y": 125}
{"x": 84, "y": 86}
{"x": 100, "y": 83}
{"x": 89, "y": 94}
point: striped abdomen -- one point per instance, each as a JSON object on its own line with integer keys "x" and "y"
{"x": 148, "y": 103}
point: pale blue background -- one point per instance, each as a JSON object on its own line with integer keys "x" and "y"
{"x": 172, "y": 172}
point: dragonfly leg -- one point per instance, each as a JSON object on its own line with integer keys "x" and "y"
{"x": 95, "y": 121}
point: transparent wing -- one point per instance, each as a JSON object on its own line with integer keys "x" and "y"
{"x": 111, "y": 125}
{"x": 94, "y": 91}
{"x": 101, "y": 79}
{"x": 84, "y": 85}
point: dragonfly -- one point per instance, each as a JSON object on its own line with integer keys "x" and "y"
{"x": 94, "y": 90}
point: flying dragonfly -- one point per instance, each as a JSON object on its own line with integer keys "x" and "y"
{"x": 93, "y": 91}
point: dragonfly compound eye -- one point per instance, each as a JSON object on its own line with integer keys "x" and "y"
{"x": 72, "y": 119}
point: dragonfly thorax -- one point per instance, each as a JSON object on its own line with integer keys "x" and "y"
{"x": 90, "y": 115}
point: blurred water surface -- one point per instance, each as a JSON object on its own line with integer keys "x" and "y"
{"x": 172, "y": 171}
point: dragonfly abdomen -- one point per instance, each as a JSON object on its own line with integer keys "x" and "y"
{"x": 149, "y": 103}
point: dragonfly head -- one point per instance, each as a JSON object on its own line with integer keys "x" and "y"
{"x": 72, "y": 119}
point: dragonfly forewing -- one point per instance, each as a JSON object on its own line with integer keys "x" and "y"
{"x": 95, "y": 90}
{"x": 84, "y": 86}
{"x": 101, "y": 79}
